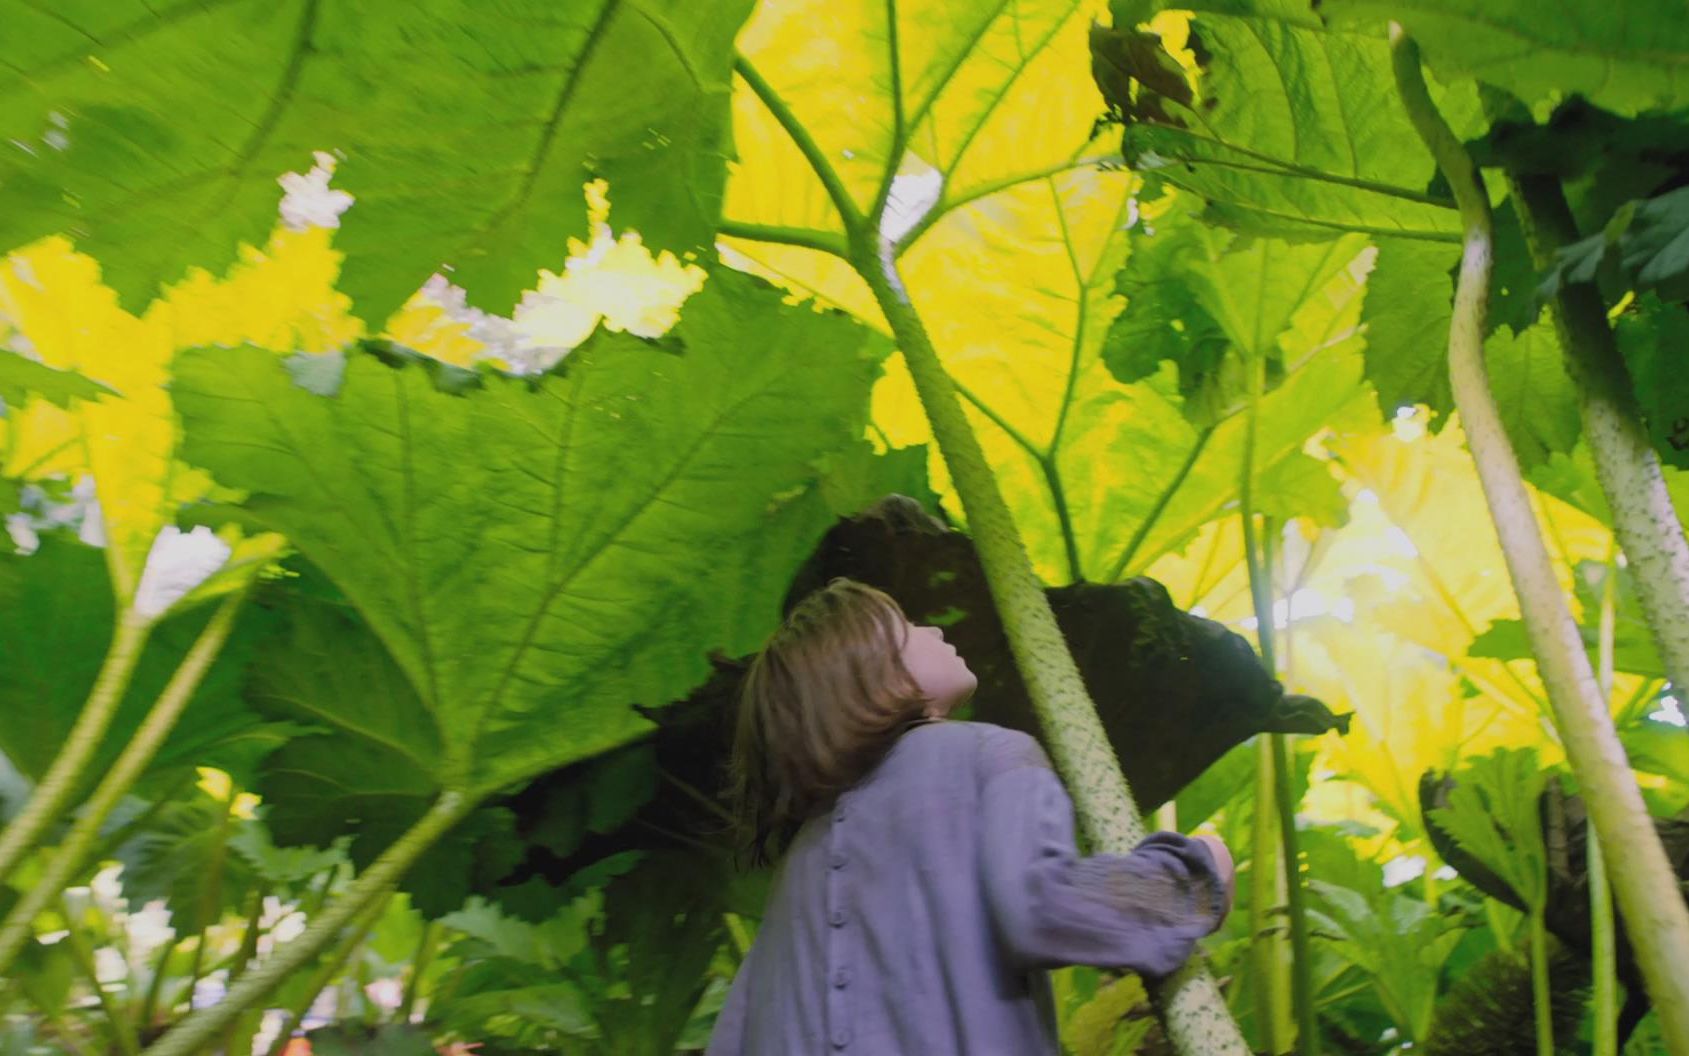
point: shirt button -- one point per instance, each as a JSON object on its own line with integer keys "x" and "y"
{"x": 836, "y": 860}
{"x": 841, "y": 979}
{"x": 839, "y": 815}
{"x": 837, "y": 918}
{"x": 841, "y": 1038}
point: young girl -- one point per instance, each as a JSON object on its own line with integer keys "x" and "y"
{"x": 928, "y": 874}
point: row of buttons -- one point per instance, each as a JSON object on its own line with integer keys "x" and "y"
{"x": 836, "y": 1011}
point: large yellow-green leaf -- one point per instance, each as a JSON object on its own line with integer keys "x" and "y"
{"x": 538, "y": 556}
{"x": 1009, "y": 247}
{"x": 155, "y": 133}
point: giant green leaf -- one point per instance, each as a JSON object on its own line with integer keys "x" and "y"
{"x": 154, "y": 134}
{"x": 1627, "y": 57}
{"x": 1286, "y": 129}
{"x": 539, "y": 555}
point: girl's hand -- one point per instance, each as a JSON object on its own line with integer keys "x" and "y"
{"x": 1222, "y": 862}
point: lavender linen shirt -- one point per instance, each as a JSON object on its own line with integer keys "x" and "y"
{"x": 918, "y": 916}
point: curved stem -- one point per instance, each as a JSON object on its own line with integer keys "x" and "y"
{"x": 1190, "y": 1005}
{"x": 73, "y": 852}
{"x": 1603, "y": 956}
{"x": 424, "y": 956}
{"x": 808, "y": 237}
{"x": 188, "y": 1037}
{"x": 842, "y": 201}
{"x": 1654, "y": 913}
{"x": 51, "y": 797}
{"x": 1644, "y": 517}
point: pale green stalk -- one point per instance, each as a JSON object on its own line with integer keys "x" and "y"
{"x": 52, "y": 796}
{"x": 71, "y": 855}
{"x": 1286, "y": 976}
{"x": 1647, "y": 891}
{"x": 1190, "y": 1005}
{"x": 1603, "y": 952}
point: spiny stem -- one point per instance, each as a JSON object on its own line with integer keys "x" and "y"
{"x": 1654, "y": 913}
{"x": 1190, "y": 1005}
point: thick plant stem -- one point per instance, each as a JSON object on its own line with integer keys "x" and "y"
{"x": 1654, "y": 913}
{"x": 73, "y": 852}
{"x": 51, "y": 797}
{"x": 1275, "y": 767}
{"x": 1603, "y": 957}
{"x": 1190, "y": 1006}
{"x": 188, "y": 1037}
{"x": 1626, "y": 463}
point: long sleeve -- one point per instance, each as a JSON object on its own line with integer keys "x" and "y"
{"x": 1142, "y": 911}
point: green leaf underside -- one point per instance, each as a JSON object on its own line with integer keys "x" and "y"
{"x": 539, "y": 556}
{"x": 1628, "y": 58}
{"x": 1650, "y": 251}
{"x": 1208, "y": 301}
{"x": 465, "y": 131}
{"x": 1293, "y": 131}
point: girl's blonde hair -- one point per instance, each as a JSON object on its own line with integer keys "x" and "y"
{"x": 820, "y": 706}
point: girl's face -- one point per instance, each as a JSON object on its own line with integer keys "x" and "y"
{"x": 941, "y": 674}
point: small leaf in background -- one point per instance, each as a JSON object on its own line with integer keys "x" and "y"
{"x": 1290, "y": 131}
{"x": 1654, "y": 338}
{"x": 21, "y": 378}
{"x": 1493, "y": 815}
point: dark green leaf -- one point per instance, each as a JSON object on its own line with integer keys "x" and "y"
{"x": 1291, "y": 130}
{"x": 21, "y": 377}
{"x": 1538, "y": 403}
{"x": 1407, "y": 325}
{"x": 156, "y": 133}
{"x": 1645, "y": 245}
